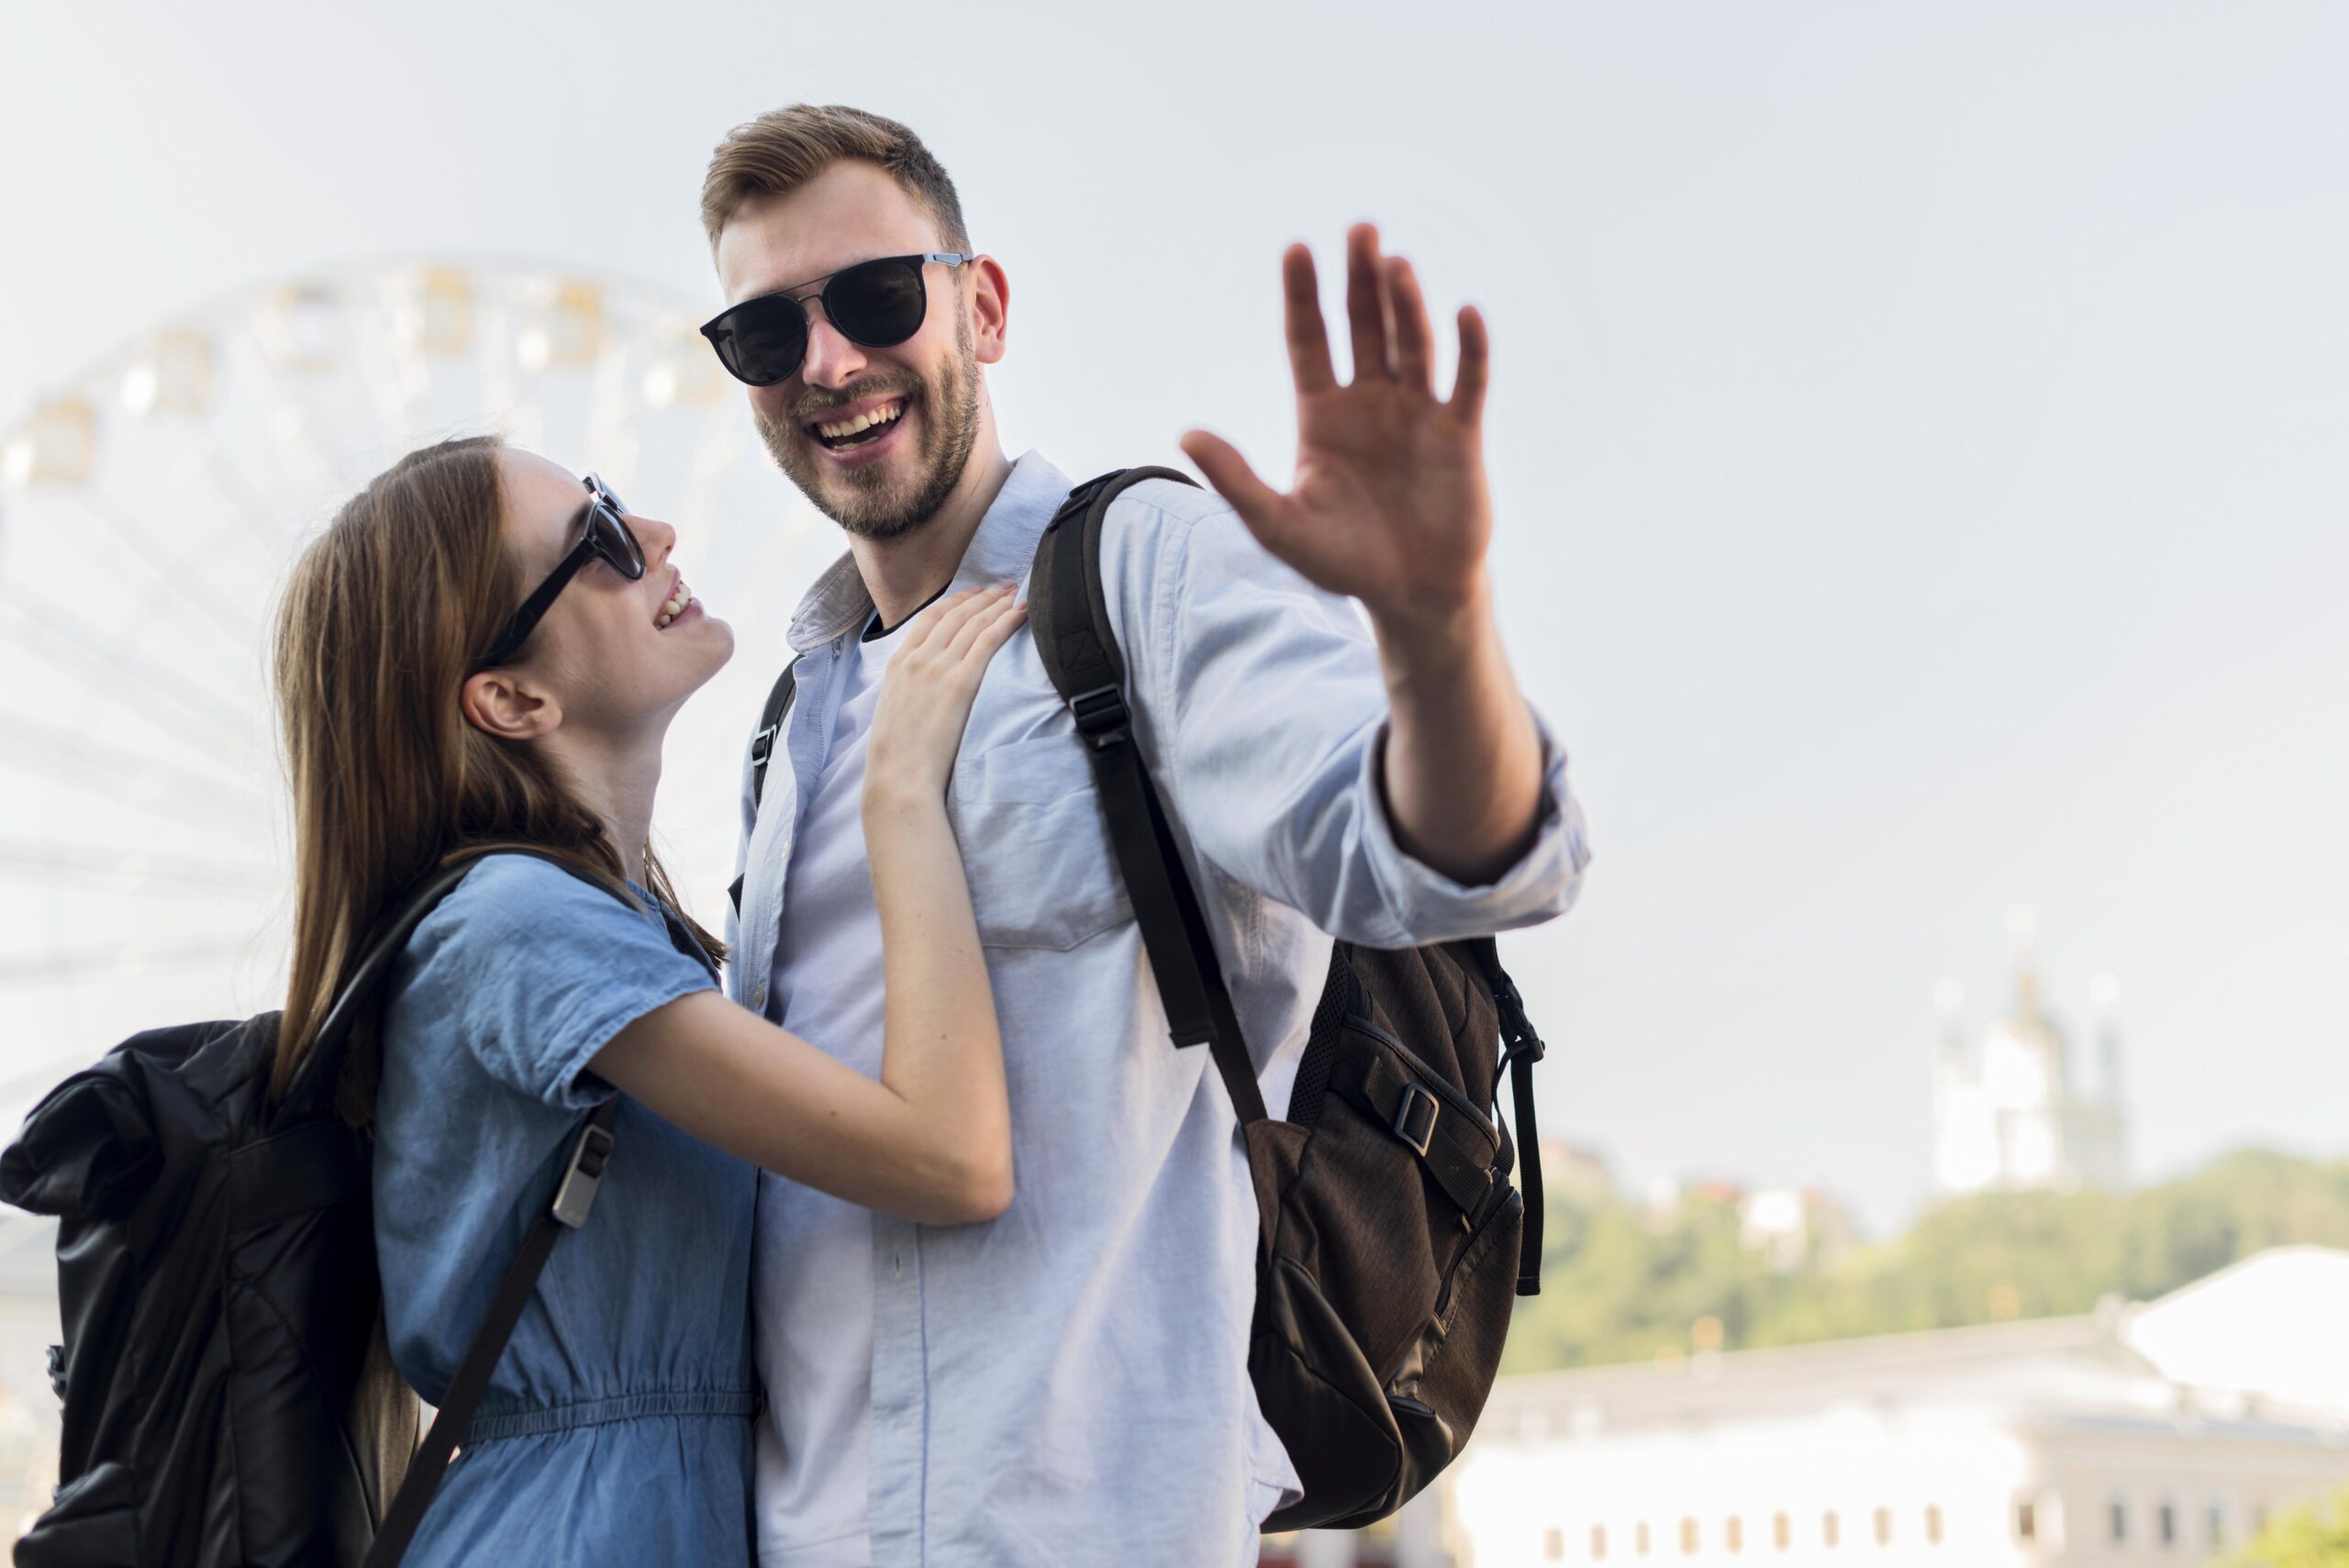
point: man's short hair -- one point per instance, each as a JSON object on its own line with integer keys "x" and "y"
{"x": 782, "y": 150}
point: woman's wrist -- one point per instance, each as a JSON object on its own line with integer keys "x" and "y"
{"x": 895, "y": 796}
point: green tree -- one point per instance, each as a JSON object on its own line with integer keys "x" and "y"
{"x": 1623, "y": 1283}
{"x": 2315, "y": 1535}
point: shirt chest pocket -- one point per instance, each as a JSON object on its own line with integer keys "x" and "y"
{"x": 1034, "y": 845}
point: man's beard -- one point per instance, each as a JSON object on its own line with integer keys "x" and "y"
{"x": 866, "y": 501}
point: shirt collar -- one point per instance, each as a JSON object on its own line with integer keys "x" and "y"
{"x": 1002, "y": 551}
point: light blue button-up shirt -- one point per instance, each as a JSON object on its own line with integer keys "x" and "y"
{"x": 1068, "y": 1384}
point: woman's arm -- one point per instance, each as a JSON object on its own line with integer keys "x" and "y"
{"x": 931, "y": 1139}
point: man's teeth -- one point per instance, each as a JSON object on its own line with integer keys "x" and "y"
{"x": 847, "y": 427}
{"x": 676, "y": 607}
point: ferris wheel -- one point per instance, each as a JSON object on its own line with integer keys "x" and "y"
{"x": 150, "y": 508}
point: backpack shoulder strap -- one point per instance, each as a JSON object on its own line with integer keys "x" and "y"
{"x": 770, "y": 731}
{"x": 1069, "y": 617}
{"x": 574, "y": 1195}
{"x": 1521, "y": 1047}
{"x": 762, "y": 746}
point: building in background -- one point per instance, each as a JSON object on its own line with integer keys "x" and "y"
{"x": 2164, "y": 1432}
{"x": 2023, "y": 1109}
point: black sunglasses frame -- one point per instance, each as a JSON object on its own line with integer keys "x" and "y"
{"x": 609, "y": 538}
{"x": 720, "y": 330}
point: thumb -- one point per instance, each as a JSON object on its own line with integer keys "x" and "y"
{"x": 1256, "y": 502}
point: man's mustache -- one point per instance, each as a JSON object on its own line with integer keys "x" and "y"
{"x": 811, "y": 409}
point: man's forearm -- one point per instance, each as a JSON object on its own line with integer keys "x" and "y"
{"x": 1462, "y": 765}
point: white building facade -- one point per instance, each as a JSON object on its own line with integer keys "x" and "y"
{"x": 2163, "y": 1433}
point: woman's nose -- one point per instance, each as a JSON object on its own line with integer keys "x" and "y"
{"x": 658, "y": 538}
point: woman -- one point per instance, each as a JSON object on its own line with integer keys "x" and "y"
{"x": 481, "y": 654}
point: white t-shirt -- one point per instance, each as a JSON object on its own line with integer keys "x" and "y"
{"x": 813, "y": 1278}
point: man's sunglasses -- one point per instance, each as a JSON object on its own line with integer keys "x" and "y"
{"x": 607, "y": 539}
{"x": 875, "y": 305}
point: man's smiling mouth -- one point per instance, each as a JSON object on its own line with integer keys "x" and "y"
{"x": 855, "y": 429}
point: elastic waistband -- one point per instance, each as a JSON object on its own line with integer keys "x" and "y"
{"x": 704, "y": 1402}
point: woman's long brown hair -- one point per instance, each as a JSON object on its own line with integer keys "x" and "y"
{"x": 381, "y": 624}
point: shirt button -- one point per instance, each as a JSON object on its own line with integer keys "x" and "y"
{"x": 897, "y": 1261}
{"x": 758, "y": 996}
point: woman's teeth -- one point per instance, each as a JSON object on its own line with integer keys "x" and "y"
{"x": 675, "y": 606}
{"x": 847, "y": 429}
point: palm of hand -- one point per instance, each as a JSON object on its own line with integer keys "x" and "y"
{"x": 1390, "y": 502}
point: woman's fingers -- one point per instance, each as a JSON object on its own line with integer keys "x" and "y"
{"x": 943, "y": 620}
{"x": 984, "y": 611}
{"x": 995, "y": 630}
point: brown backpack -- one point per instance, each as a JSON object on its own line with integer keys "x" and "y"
{"x": 1390, "y": 1240}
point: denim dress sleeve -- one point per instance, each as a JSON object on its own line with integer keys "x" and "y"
{"x": 534, "y": 971}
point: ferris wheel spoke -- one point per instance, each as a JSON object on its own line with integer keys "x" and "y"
{"x": 158, "y": 694}
{"x": 131, "y": 777}
{"x": 178, "y": 573}
{"x": 244, "y": 500}
{"x": 23, "y": 858}
{"x": 33, "y": 969}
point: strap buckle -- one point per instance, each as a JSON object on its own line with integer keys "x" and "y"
{"x": 1414, "y": 1118}
{"x": 762, "y": 745}
{"x": 576, "y": 1195}
{"x": 1101, "y": 716}
{"x": 1524, "y": 1043}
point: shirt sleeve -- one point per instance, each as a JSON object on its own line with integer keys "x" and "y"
{"x": 538, "y": 971}
{"x": 1265, "y": 709}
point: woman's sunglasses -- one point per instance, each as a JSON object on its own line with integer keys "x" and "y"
{"x": 875, "y": 305}
{"x": 607, "y": 539}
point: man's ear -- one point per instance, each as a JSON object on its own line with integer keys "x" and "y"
{"x": 990, "y": 309}
{"x": 502, "y": 706}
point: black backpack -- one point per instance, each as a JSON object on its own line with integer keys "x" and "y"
{"x": 1390, "y": 1241}
{"x": 227, "y": 1397}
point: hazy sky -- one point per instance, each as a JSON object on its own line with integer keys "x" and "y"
{"x": 1918, "y": 434}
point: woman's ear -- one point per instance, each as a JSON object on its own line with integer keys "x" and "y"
{"x": 499, "y": 704}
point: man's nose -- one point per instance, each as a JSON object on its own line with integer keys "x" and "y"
{"x": 831, "y": 358}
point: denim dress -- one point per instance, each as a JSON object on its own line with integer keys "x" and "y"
{"x": 618, "y": 1426}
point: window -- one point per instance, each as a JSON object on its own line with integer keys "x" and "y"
{"x": 1553, "y": 1544}
{"x": 1598, "y": 1541}
{"x": 1733, "y": 1532}
{"x": 2119, "y": 1520}
{"x": 2026, "y": 1520}
{"x": 2167, "y": 1518}
{"x": 1782, "y": 1532}
{"x": 1688, "y": 1537}
{"x": 1828, "y": 1532}
{"x": 2217, "y": 1532}
{"x": 1884, "y": 1526}
{"x": 1934, "y": 1524}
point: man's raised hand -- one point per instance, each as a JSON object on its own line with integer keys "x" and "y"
{"x": 1390, "y": 504}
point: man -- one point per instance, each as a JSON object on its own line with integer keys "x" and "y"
{"x": 1067, "y": 1384}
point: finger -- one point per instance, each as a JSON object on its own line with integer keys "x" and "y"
{"x": 1475, "y": 368}
{"x": 1308, "y": 335}
{"x": 1367, "y": 308}
{"x": 1257, "y": 503}
{"x": 1414, "y": 339}
{"x": 995, "y": 631}
{"x": 981, "y": 610}
{"x": 938, "y": 622}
